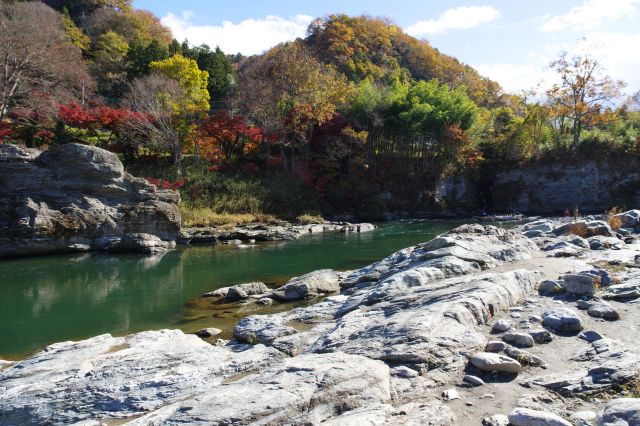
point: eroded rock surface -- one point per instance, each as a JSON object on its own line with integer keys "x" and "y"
{"x": 423, "y": 336}
{"x": 78, "y": 198}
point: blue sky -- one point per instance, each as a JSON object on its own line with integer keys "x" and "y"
{"x": 509, "y": 41}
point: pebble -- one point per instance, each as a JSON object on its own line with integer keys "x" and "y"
{"x": 487, "y": 396}
{"x": 524, "y": 357}
{"x": 590, "y": 336}
{"x": 496, "y": 420}
{"x": 522, "y": 340}
{"x": 603, "y": 310}
{"x": 527, "y": 417}
{"x": 550, "y": 288}
{"x": 541, "y": 335}
{"x": 451, "y": 394}
{"x": 562, "y": 320}
{"x": 404, "y": 372}
{"x": 495, "y": 346}
{"x": 487, "y": 361}
{"x": 208, "y": 332}
{"x": 501, "y": 326}
{"x": 473, "y": 380}
{"x": 264, "y": 301}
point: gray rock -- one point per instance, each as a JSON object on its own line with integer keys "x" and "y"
{"x": 550, "y": 288}
{"x": 524, "y": 357}
{"x": 473, "y": 380}
{"x": 562, "y": 320}
{"x": 541, "y": 335}
{"x": 404, "y": 372}
{"x": 264, "y": 301}
{"x": 590, "y": 336}
{"x": 496, "y": 420}
{"x": 621, "y": 412}
{"x": 522, "y": 340}
{"x": 603, "y": 310}
{"x": 306, "y": 389}
{"x": 495, "y": 346}
{"x": 310, "y": 285}
{"x": 527, "y": 417}
{"x": 585, "y": 228}
{"x": 208, "y": 332}
{"x": 629, "y": 218}
{"x": 244, "y": 291}
{"x": 629, "y": 289}
{"x": 579, "y": 284}
{"x": 487, "y": 361}
{"x": 143, "y": 243}
{"x": 543, "y": 226}
{"x": 118, "y": 377}
{"x": 501, "y": 326}
{"x": 451, "y": 394}
{"x": 77, "y": 197}
{"x": 585, "y": 418}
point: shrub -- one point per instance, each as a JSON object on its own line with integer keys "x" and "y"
{"x": 307, "y": 218}
{"x": 614, "y": 221}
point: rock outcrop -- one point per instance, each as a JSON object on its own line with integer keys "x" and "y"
{"x": 427, "y": 335}
{"x": 78, "y": 198}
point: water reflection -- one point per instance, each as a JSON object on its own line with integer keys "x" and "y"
{"x": 69, "y": 297}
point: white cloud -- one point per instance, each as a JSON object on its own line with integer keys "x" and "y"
{"x": 513, "y": 78}
{"x": 613, "y": 50}
{"x": 452, "y": 19}
{"x": 590, "y": 15}
{"x": 251, "y": 36}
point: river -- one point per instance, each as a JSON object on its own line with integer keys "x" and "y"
{"x": 70, "y": 297}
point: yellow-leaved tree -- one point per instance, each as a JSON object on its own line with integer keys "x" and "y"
{"x": 193, "y": 104}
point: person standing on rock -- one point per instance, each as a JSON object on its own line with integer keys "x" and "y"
{"x": 576, "y": 213}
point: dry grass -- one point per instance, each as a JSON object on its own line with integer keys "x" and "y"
{"x": 199, "y": 217}
{"x": 578, "y": 229}
{"x": 613, "y": 221}
{"x": 306, "y": 219}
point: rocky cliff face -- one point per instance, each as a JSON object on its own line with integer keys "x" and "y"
{"x": 549, "y": 188}
{"x": 78, "y": 198}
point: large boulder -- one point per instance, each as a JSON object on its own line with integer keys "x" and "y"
{"x": 310, "y": 285}
{"x": 76, "y": 198}
{"x": 621, "y": 411}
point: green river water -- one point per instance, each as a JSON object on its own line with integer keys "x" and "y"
{"x": 69, "y": 297}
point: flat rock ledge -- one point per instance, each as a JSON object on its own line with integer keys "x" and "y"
{"x": 423, "y": 336}
{"x": 267, "y": 232}
{"x": 76, "y": 198}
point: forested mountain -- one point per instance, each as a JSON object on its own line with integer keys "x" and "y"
{"x": 327, "y": 123}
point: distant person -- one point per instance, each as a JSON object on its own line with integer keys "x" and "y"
{"x": 576, "y": 213}
{"x": 566, "y": 215}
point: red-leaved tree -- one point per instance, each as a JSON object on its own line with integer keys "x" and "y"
{"x": 224, "y": 136}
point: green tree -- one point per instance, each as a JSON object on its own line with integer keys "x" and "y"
{"x": 140, "y": 55}
{"x": 428, "y": 106}
{"x": 78, "y": 38}
{"x": 109, "y": 64}
{"x": 217, "y": 64}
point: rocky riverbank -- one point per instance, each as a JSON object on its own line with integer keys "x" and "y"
{"x": 78, "y": 198}
{"x": 533, "y": 326}
{"x": 250, "y": 233}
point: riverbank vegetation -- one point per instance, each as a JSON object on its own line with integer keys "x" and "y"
{"x": 357, "y": 117}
